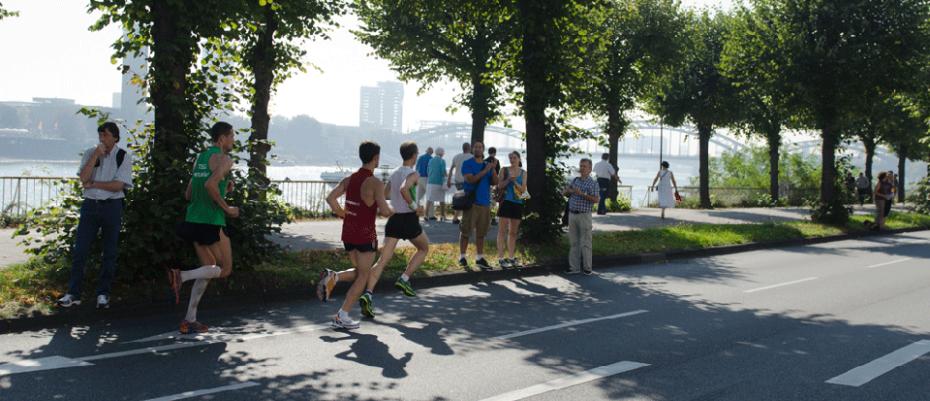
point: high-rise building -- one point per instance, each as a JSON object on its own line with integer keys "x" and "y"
{"x": 382, "y": 106}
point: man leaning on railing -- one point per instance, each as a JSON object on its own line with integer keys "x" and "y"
{"x": 105, "y": 171}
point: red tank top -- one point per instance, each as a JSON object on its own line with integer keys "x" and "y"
{"x": 358, "y": 227}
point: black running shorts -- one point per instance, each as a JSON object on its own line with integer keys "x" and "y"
{"x": 403, "y": 226}
{"x": 363, "y": 248}
{"x": 203, "y": 234}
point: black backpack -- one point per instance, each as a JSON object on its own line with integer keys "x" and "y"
{"x": 120, "y": 156}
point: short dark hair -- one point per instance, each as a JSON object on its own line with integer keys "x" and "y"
{"x": 664, "y": 164}
{"x": 110, "y": 127}
{"x": 466, "y": 146}
{"x": 882, "y": 175}
{"x": 367, "y": 151}
{"x": 587, "y": 160}
{"x": 219, "y": 129}
{"x": 492, "y": 150}
{"x": 605, "y": 156}
{"x": 408, "y": 150}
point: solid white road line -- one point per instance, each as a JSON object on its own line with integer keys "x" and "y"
{"x": 888, "y": 263}
{"x": 40, "y": 364}
{"x": 769, "y": 287}
{"x": 557, "y": 384}
{"x": 868, "y": 372}
{"x": 198, "y": 393}
{"x": 568, "y": 324}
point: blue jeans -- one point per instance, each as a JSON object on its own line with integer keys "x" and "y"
{"x": 96, "y": 216}
{"x": 604, "y": 185}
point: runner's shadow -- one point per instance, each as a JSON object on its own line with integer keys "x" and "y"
{"x": 368, "y": 350}
{"x": 428, "y": 336}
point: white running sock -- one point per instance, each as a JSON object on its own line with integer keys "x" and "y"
{"x": 480, "y": 256}
{"x": 463, "y": 256}
{"x": 200, "y": 286}
{"x": 208, "y": 271}
{"x": 405, "y": 277}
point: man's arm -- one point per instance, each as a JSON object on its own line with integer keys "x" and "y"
{"x": 451, "y": 170}
{"x": 222, "y": 164}
{"x": 333, "y": 198}
{"x": 123, "y": 179}
{"x": 111, "y": 186}
{"x": 86, "y": 173}
{"x": 474, "y": 178}
{"x": 383, "y": 208}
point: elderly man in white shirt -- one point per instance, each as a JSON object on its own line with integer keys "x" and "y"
{"x": 605, "y": 173}
{"x": 105, "y": 171}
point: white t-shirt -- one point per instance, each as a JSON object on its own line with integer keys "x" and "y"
{"x": 457, "y": 162}
{"x": 397, "y": 181}
{"x": 603, "y": 169}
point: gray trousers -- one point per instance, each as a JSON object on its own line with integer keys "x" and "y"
{"x": 579, "y": 234}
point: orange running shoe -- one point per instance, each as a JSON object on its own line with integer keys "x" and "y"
{"x": 193, "y": 327}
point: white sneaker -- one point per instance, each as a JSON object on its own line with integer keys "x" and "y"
{"x": 344, "y": 322}
{"x": 103, "y": 302}
{"x": 68, "y": 300}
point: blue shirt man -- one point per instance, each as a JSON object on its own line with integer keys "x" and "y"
{"x": 423, "y": 163}
{"x": 483, "y": 187}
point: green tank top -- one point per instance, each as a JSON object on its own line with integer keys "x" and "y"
{"x": 202, "y": 209}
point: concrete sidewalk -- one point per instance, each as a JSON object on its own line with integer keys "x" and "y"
{"x": 326, "y": 234}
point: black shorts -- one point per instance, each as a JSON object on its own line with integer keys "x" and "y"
{"x": 363, "y": 248}
{"x": 203, "y": 234}
{"x": 510, "y": 210}
{"x": 403, "y": 226}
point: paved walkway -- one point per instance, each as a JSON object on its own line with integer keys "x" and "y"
{"x": 326, "y": 234}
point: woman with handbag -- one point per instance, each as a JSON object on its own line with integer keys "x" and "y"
{"x": 666, "y": 180}
{"x": 511, "y": 195}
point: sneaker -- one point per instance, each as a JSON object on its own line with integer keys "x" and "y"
{"x": 504, "y": 263}
{"x": 433, "y": 219}
{"x": 463, "y": 263}
{"x": 483, "y": 264}
{"x": 68, "y": 300}
{"x": 174, "y": 279}
{"x": 345, "y": 323}
{"x": 367, "y": 305}
{"x": 588, "y": 272}
{"x": 103, "y": 302}
{"x": 571, "y": 271}
{"x": 455, "y": 221}
{"x": 192, "y": 327}
{"x": 405, "y": 286}
{"x": 325, "y": 285}
{"x": 514, "y": 263}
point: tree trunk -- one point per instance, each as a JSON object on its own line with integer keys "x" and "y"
{"x": 868, "y": 142}
{"x": 774, "y": 140}
{"x": 480, "y": 110}
{"x": 262, "y": 65}
{"x": 902, "y": 162}
{"x": 828, "y": 164}
{"x": 615, "y": 127}
{"x": 173, "y": 55}
{"x": 704, "y": 132}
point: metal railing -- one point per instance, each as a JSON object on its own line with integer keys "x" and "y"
{"x": 19, "y": 195}
{"x": 305, "y": 195}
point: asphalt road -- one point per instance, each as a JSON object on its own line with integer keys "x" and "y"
{"x": 846, "y": 320}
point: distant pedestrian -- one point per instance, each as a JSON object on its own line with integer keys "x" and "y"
{"x": 423, "y": 172}
{"x": 893, "y": 181}
{"x": 492, "y": 158}
{"x": 455, "y": 174}
{"x": 605, "y": 173}
{"x": 479, "y": 176}
{"x": 510, "y": 210}
{"x": 667, "y": 188}
{"x": 881, "y": 195}
{"x": 105, "y": 171}
{"x": 584, "y": 193}
{"x": 436, "y": 191}
{"x": 863, "y": 185}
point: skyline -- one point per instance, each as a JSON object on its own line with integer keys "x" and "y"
{"x": 72, "y": 62}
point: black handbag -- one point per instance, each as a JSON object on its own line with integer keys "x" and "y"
{"x": 463, "y": 202}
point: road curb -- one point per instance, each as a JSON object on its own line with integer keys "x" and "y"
{"x": 268, "y": 296}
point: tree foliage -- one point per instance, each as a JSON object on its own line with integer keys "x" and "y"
{"x": 427, "y": 41}
{"x": 4, "y": 13}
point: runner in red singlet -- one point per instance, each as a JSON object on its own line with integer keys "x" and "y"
{"x": 364, "y": 200}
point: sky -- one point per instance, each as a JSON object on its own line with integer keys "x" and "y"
{"x": 49, "y": 52}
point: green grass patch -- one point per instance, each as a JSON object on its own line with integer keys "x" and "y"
{"x": 33, "y": 287}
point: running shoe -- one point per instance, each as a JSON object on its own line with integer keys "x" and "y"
{"x": 405, "y": 286}
{"x": 345, "y": 323}
{"x": 588, "y": 272}
{"x": 68, "y": 301}
{"x": 174, "y": 279}
{"x": 367, "y": 305}
{"x": 514, "y": 263}
{"x": 571, "y": 271}
{"x": 455, "y": 221}
{"x": 483, "y": 264}
{"x": 504, "y": 263}
{"x": 103, "y": 302}
{"x": 463, "y": 263}
{"x": 325, "y": 285}
{"x": 192, "y": 327}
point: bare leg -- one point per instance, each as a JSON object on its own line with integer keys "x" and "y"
{"x": 387, "y": 253}
{"x": 365, "y": 261}
{"x": 512, "y": 240}
{"x": 442, "y": 211}
{"x": 421, "y": 242}
{"x": 463, "y": 243}
{"x": 502, "y": 231}
{"x": 479, "y": 244}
